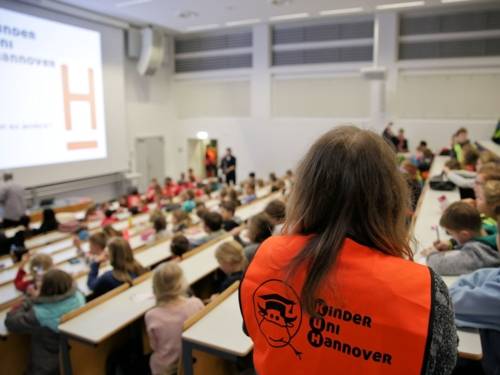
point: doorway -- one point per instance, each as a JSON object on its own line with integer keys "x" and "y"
{"x": 203, "y": 157}
{"x": 150, "y": 160}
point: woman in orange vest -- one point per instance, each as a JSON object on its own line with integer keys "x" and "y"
{"x": 339, "y": 293}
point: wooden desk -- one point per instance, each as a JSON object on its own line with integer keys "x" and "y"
{"x": 428, "y": 215}
{"x": 73, "y": 205}
{"x": 219, "y": 333}
{"x": 96, "y": 324}
{"x": 160, "y": 252}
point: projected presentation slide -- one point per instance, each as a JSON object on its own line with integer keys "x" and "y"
{"x": 51, "y": 92}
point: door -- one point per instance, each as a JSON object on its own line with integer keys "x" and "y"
{"x": 150, "y": 158}
{"x": 196, "y": 156}
{"x": 202, "y": 157}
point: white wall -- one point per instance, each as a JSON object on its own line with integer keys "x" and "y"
{"x": 264, "y": 142}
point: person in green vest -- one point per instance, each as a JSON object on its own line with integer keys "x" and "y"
{"x": 496, "y": 135}
{"x": 460, "y": 140}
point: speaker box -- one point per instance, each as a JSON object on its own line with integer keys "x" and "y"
{"x": 374, "y": 73}
{"x": 152, "y": 51}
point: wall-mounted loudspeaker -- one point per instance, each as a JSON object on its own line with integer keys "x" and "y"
{"x": 152, "y": 51}
{"x": 376, "y": 73}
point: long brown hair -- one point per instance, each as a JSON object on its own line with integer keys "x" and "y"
{"x": 348, "y": 184}
{"x": 122, "y": 260}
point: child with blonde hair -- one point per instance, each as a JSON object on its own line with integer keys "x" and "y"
{"x": 30, "y": 283}
{"x": 232, "y": 262}
{"x": 164, "y": 322}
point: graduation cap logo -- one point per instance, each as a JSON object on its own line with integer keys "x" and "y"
{"x": 278, "y": 313}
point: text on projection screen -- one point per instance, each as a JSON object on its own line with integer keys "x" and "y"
{"x": 51, "y": 92}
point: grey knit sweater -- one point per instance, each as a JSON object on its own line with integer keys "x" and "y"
{"x": 442, "y": 354}
{"x": 467, "y": 258}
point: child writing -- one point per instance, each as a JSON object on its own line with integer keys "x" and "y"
{"x": 476, "y": 296}
{"x": 39, "y": 265}
{"x": 470, "y": 248}
{"x": 125, "y": 268}
{"x": 40, "y": 317}
{"x": 165, "y": 321}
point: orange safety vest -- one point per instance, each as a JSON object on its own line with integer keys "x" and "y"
{"x": 374, "y": 312}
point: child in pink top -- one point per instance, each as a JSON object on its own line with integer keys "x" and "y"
{"x": 165, "y": 321}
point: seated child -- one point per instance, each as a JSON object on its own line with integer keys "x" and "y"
{"x": 414, "y": 181}
{"x": 279, "y": 185}
{"x": 232, "y": 262}
{"x": 189, "y": 204}
{"x": 124, "y": 268}
{"x": 159, "y": 225}
{"x": 97, "y": 247}
{"x": 212, "y": 224}
{"x": 40, "y": 317}
{"x": 229, "y": 221}
{"x": 39, "y": 265}
{"x": 250, "y": 195}
{"x": 260, "y": 228}
{"x": 111, "y": 232}
{"x": 179, "y": 246}
{"x": 470, "y": 158}
{"x": 181, "y": 220}
{"x": 232, "y": 195}
{"x": 201, "y": 210}
{"x": 275, "y": 210}
{"x": 93, "y": 214}
{"x": 164, "y": 322}
{"x": 470, "y": 249}
{"x": 476, "y": 302}
{"x": 109, "y": 218}
{"x": 49, "y": 222}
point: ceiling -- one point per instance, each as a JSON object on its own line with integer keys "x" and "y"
{"x": 215, "y": 14}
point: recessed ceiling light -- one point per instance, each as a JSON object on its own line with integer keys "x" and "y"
{"x": 400, "y": 5}
{"x": 340, "y": 11}
{"x": 130, "y": 3}
{"x": 250, "y": 21}
{"x": 202, "y": 27}
{"x": 202, "y": 135}
{"x": 289, "y": 17}
{"x": 187, "y": 14}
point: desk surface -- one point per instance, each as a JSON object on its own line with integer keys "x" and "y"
{"x": 429, "y": 212}
{"x": 161, "y": 251}
{"x": 100, "y": 322}
{"x": 221, "y": 329}
{"x": 491, "y": 146}
{"x": 428, "y": 216}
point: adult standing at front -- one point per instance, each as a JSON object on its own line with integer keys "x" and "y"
{"x": 12, "y": 200}
{"x": 338, "y": 292}
{"x": 228, "y": 166}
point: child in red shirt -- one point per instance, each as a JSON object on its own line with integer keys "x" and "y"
{"x": 39, "y": 265}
